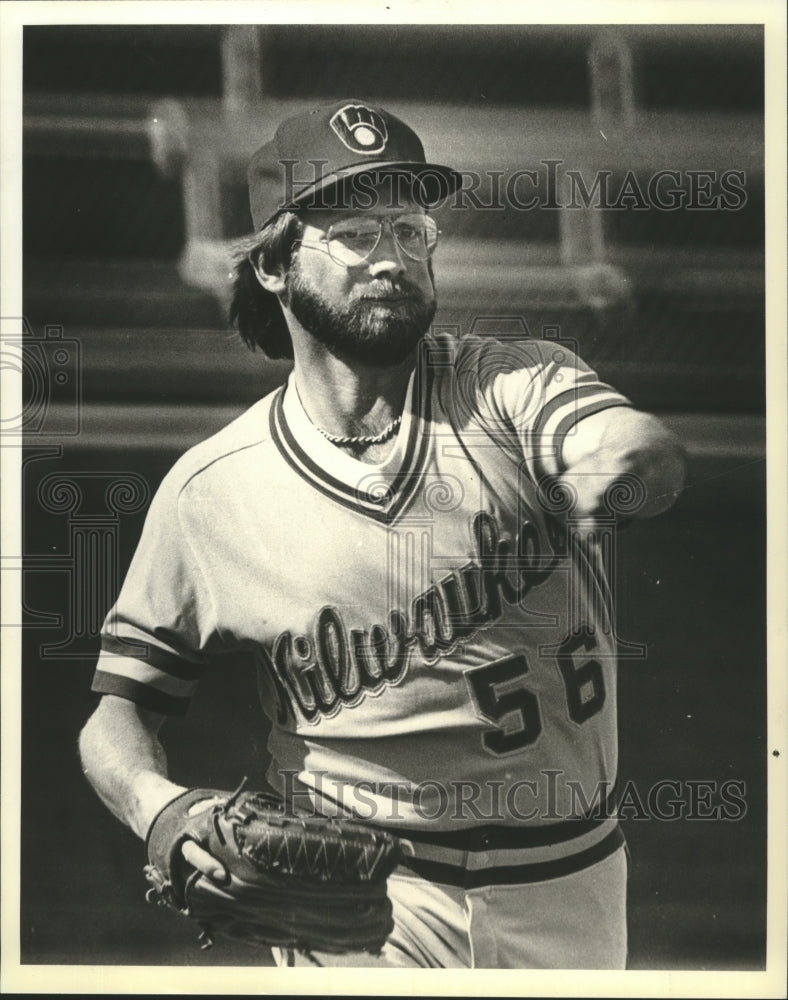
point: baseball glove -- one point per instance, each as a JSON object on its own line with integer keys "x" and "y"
{"x": 295, "y": 880}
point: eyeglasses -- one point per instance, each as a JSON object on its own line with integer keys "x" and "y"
{"x": 350, "y": 242}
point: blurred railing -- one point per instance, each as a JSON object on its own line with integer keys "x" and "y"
{"x": 133, "y": 202}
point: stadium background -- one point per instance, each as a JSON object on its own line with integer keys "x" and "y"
{"x": 135, "y": 145}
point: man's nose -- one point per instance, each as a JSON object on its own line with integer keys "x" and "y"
{"x": 387, "y": 257}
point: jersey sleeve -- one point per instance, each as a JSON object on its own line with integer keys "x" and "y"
{"x": 539, "y": 391}
{"x": 155, "y": 639}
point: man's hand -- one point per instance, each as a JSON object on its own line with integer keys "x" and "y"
{"x": 204, "y": 862}
{"x": 294, "y": 879}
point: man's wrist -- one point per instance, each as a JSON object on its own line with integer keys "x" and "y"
{"x": 151, "y": 794}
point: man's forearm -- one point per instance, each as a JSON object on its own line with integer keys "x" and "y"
{"x": 125, "y": 763}
{"x": 623, "y": 443}
{"x": 649, "y": 451}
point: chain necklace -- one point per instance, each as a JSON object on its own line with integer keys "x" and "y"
{"x": 384, "y": 435}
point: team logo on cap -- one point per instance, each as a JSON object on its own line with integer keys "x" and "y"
{"x": 360, "y": 128}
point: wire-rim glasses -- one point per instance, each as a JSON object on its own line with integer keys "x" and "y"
{"x": 352, "y": 241}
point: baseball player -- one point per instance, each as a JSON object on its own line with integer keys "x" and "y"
{"x": 406, "y": 535}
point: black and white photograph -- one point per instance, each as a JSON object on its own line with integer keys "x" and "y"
{"x": 394, "y": 499}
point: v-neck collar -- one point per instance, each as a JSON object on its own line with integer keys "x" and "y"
{"x": 379, "y": 491}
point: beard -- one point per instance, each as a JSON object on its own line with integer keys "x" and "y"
{"x": 365, "y": 329}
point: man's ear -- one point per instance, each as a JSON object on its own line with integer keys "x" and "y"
{"x": 274, "y": 283}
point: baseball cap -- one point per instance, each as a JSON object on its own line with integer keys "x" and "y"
{"x": 325, "y": 150}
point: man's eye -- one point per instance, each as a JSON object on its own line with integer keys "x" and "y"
{"x": 407, "y": 232}
{"x": 359, "y": 237}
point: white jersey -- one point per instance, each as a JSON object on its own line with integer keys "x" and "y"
{"x": 432, "y": 654}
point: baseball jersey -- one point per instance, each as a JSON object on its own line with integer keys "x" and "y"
{"x": 434, "y": 648}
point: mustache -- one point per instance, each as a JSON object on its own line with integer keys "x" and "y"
{"x": 385, "y": 287}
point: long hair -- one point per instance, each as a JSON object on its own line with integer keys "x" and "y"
{"x": 256, "y": 313}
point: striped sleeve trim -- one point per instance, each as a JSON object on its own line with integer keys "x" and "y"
{"x": 567, "y": 402}
{"x": 145, "y": 673}
{"x": 585, "y": 410}
{"x": 145, "y": 697}
{"x": 152, "y": 655}
{"x": 559, "y": 416}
